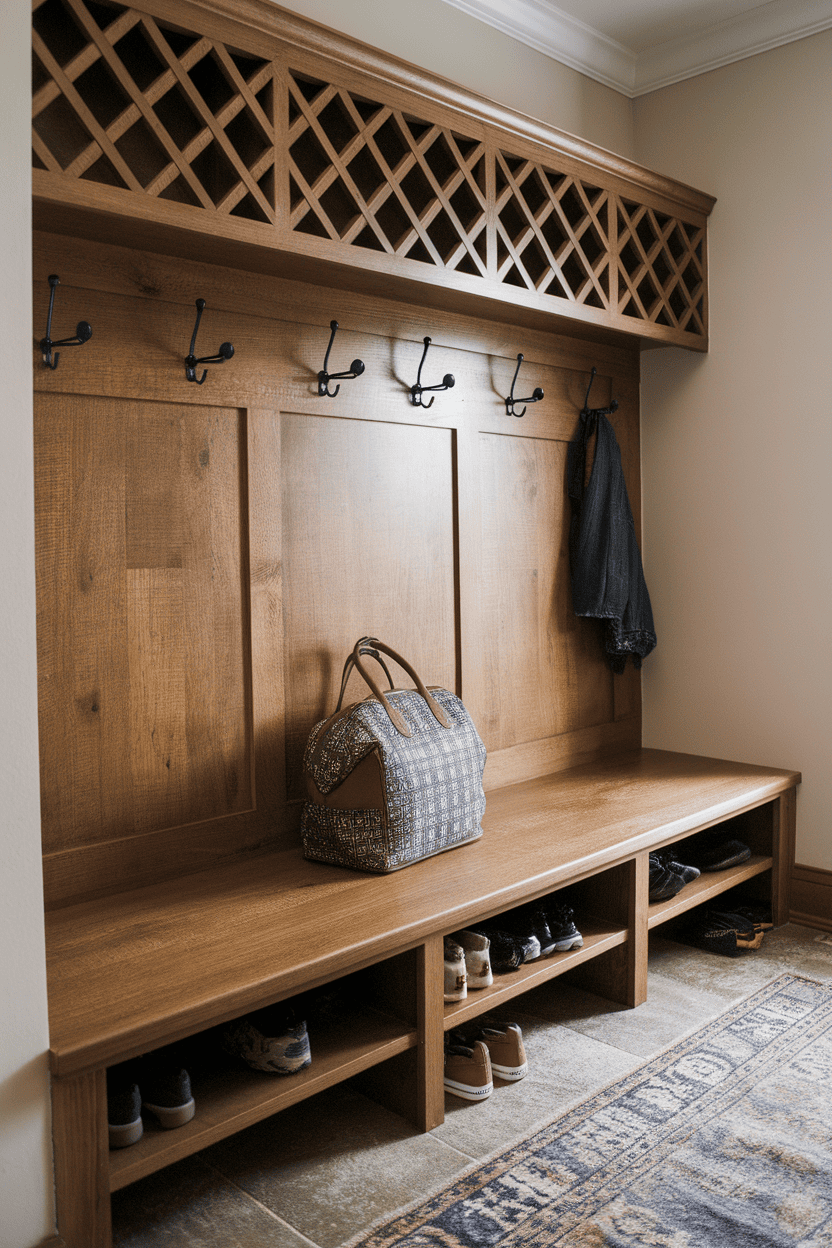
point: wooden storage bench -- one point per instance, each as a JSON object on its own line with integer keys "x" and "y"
{"x": 132, "y": 972}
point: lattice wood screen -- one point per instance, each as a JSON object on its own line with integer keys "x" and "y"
{"x": 128, "y": 102}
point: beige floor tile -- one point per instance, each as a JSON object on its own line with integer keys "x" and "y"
{"x": 335, "y": 1164}
{"x": 563, "y": 1069}
{"x": 670, "y": 1012}
{"x": 189, "y": 1205}
{"x": 790, "y": 948}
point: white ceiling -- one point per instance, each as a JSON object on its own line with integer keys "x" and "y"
{"x": 636, "y": 46}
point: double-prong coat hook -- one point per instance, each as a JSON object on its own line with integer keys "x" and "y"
{"x": 83, "y": 330}
{"x": 324, "y": 377}
{"x": 613, "y": 407}
{"x": 534, "y": 397}
{"x": 225, "y": 352}
{"x": 416, "y": 392}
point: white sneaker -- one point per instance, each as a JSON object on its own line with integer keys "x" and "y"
{"x": 477, "y": 958}
{"x": 456, "y": 977}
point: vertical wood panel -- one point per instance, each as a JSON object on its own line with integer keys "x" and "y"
{"x": 368, "y": 549}
{"x": 82, "y": 611}
{"x": 143, "y": 601}
{"x": 545, "y": 667}
{"x": 265, "y": 541}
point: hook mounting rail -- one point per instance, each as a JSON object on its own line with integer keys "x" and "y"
{"x": 83, "y": 330}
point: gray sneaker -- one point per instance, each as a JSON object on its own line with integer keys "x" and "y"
{"x": 271, "y": 1040}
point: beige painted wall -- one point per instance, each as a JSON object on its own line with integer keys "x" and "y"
{"x": 737, "y": 445}
{"x": 25, "y": 1151}
{"x": 439, "y": 37}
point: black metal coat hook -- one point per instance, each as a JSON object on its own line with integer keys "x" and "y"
{"x": 83, "y": 330}
{"x": 416, "y": 392}
{"x": 324, "y": 377}
{"x": 535, "y": 396}
{"x": 613, "y": 407}
{"x": 225, "y": 352}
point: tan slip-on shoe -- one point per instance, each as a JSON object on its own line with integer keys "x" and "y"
{"x": 468, "y": 1071}
{"x": 504, "y": 1042}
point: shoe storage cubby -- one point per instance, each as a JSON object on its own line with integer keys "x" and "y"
{"x": 755, "y": 828}
{"x": 600, "y": 907}
{"x": 348, "y": 1033}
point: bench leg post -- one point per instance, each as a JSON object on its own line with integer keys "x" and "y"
{"x": 620, "y": 974}
{"x": 82, "y": 1168}
{"x": 430, "y": 1024}
{"x": 783, "y": 836}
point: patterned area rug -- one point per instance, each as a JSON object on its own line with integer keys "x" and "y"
{"x": 723, "y": 1141}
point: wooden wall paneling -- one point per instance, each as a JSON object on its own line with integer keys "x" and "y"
{"x": 143, "y": 274}
{"x": 380, "y": 517}
{"x": 811, "y": 897}
{"x": 265, "y": 548}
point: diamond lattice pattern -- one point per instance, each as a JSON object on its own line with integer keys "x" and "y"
{"x": 369, "y": 175}
{"x": 661, "y": 268}
{"x": 119, "y": 99}
{"x": 552, "y": 232}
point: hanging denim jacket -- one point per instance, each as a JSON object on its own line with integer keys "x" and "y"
{"x": 607, "y": 577}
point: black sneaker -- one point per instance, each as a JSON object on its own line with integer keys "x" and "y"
{"x": 529, "y": 923}
{"x": 124, "y": 1109}
{"x": 506, "y": 950}
{"x": 664, "y": 882}
{"x": 688, "y": 873}
{"x": 722, "y": 855}
{"x": 167, "y": 1094}
{"x": 564, "y": 932}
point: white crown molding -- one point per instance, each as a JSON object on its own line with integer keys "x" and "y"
{"x": 542, "y": 26}
{"x": 758, "y": 30}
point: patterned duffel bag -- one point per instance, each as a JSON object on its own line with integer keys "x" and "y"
{"x": 393, "y": 779}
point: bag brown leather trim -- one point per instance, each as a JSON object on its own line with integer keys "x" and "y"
{"x": 362, "y": 789}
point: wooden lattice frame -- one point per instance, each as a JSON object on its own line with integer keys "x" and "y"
{"x": 256, "y": 139}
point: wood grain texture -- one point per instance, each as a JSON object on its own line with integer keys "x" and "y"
{"x": 458, "y": 196}
{"x": 145, "y": 722}
{"x": 811, "y": 897}
{"x": 241, "y": 536}
{"x": 79, "y": 1131}
{"x": 209, "y": 947}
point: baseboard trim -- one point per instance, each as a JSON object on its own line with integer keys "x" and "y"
{"x": 811, "y": 897}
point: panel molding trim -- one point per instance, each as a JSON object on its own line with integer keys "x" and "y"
{"x": 811, "y": 898}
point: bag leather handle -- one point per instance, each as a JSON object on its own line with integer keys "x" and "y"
{"x": 350, "y": 664}
{"x": 396, "y": 718}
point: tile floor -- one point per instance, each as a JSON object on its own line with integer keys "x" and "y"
{"x": 324, "y": 1171}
